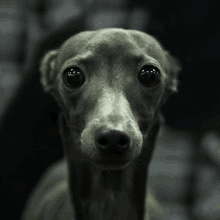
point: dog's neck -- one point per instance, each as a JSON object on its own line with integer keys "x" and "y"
{"x": 108, "y": 195}
{"x": 103, "y": 194}
{"x": 111, "y": 194}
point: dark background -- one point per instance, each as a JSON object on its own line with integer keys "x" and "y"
{"x": 29, "y": 137}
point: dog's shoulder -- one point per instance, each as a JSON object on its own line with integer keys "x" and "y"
{"x": 50, "y": 199}
{"x": 154, "y": 209}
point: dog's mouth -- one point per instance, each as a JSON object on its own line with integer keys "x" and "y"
{"x": 112, "y": 164}
{"x": 115, "y": 162}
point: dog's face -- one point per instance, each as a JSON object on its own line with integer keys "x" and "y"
{"x": 110, "y": 85}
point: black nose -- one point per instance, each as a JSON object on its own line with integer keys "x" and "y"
{"x": 111, "y": 141}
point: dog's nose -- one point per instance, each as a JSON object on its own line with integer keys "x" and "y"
{"x": 111, "y": 141}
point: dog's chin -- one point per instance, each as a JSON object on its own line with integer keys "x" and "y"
{"x": 113, "y": 165}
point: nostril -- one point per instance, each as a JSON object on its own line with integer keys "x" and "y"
{"x": 111, "y": 141}
{"x": 123, "y": 141}
{"x": 102, "y": 141}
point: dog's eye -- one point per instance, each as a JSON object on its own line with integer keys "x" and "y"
{"x": 149, "y": 76}
{"x": 73, "y": 77}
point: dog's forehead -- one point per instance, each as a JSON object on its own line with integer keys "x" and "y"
{"x": 112, "y": 39}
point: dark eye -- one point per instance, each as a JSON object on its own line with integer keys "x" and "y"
{"x": 73, "y": 77}
{"x": 149, "y": 76}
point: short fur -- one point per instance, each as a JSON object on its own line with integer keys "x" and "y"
{"x": 111, "y": 96}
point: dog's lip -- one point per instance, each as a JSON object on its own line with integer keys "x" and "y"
{"x": 116, "y": 158}
{"x": 116, "y": 165}
{"x": 113, "y": 160}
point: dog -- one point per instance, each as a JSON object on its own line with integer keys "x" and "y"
{"x": 110, "y": 85}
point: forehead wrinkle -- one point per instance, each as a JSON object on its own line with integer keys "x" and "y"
{"x": 109, "y": 47}
{"x": 149, "y": 45}
{"x": 83, "y": 58}
{"x": 74, "y": 45}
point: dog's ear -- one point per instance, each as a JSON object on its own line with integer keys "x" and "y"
{"x": 47, "y": 70}
{"x": 174, "y": 68}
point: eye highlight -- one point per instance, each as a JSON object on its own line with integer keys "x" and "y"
{"x": 149, "y": 76}
{"x": 73, "y": 77}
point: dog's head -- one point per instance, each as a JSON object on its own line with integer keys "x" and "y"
{"x": 110, "y": 85}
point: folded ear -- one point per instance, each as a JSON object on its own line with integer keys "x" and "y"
{"x": 174, "y": 68}
{"x": 47, "y": 70}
